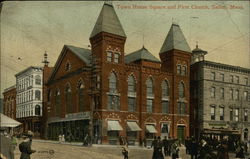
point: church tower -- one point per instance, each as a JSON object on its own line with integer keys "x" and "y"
{"x": 175, "y": 57}
{"x": 108, "y": 37}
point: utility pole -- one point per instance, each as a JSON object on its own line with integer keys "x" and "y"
{"x": 94, "y": 91}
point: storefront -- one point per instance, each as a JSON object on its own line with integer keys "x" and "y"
{"x": 150, "y": 132}
{"x": 74, "y": 127}
{"x": 114, "y": 128}
{"x": 132, "y": 132}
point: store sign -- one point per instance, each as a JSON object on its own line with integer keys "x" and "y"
{"x": 81, "y": 115}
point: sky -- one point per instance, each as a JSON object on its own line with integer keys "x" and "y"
{"x": 28, "y": 29}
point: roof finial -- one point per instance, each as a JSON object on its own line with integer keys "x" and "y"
{"x": 196, "y": 44}
{"x": 45, "y": 59}
{"x": 174, "y": 21}
{"x": 143, "y": 40}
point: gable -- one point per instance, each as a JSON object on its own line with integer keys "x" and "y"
{"x": 74, "y": 57}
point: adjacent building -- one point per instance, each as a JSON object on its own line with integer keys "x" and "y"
{"x": 9, "y": 102}
{"x": 220, "y": 98}
{"x": 112, "y": 96}
{"x": 29, "y": 87}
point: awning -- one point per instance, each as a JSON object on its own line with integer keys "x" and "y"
{"x": 151, "y": 128}
{"x": 114, "y": 125}
{"x": 6, "y": 121}
{"x": 133, "y": 126}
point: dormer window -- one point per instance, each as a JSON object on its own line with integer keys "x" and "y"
{"x": 109, "y": 56}
{"x": 68, "y": 66}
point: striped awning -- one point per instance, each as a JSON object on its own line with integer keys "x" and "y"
{"x": 114, "y": 125}
{"x": 133, "y": 126}
{"x": 151, "y": 128}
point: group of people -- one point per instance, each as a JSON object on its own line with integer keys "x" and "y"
{"x": 207, "y": 148}
{"x": 169, "y": 146}
{"x": 10, "y": 143}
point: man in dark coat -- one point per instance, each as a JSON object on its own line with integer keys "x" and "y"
{"x": 25, "y": 148}
{"x": 157, "y": 154}
{"x": 193, "y": 149}
{"x": 165, "y": 145}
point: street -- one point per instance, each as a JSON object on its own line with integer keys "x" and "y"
{"x": 55, "y": 150}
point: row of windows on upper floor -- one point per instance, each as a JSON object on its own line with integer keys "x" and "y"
{"x": 234, "y": 114}
{"x": 114, "y": 98}
{"x": 233, "y": 95}
{"x": 28, "y": 96}
{"x": 232, "y": 78}
{"x": 23, "y": 84}
{"x": 113, "y": 85}
{"x": 27, "y": 111}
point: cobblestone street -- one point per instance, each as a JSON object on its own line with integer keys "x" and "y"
{"x": 55, "y": 150}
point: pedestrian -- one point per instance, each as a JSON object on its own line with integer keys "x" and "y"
{"x": 25, "y": 147}
{"x": 125, "y": 151}
{"x": 175, "y": 149}
{"x": 187, "y": 145}
{"x": 63, "y": 138}
{"x": 153, "y": 142}
{"x": 170, "y": 142}
{"x": 13, "y": 146}
{"x": 222, "y": 150}
{"x": 193, "y": 148}
{"x": 157, "y": 153}
{"x": 60, "y": 138}
{"x": 165, "y": 145}
{"x": 240, "y": 152}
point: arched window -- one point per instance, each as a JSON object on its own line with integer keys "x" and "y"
{"x": 131, "y": 94}
{"x": 181, "y": 104}
{"x": 150, "y": 99}
{"x": 165, "y": 89}
{"x": 165, "y": 95}
{"x": 181, "y": 90}
{"x": 37, "y": 110}
{"x": 80, "y": 96}
{"x": 149, "y": 84}
{"x": 57, "y": 102}
{"x": 38, "y": 95}
{"x": 38, "y": 80}
{"x": 112, "y": 82}
{"x": 113, "y": 97}
{"x": 68, "y": 98}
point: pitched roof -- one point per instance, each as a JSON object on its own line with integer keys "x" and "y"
{"x": 108, "y": 22}
{"x": 142, "y": 54}
{"x": 175, "y": 40}
{"x": 83, "y": 54}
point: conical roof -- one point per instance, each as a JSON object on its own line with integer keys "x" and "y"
{"x": 108, "y": 21}
{"x": 175, "y": 40}
{"x": 142, "y": 54}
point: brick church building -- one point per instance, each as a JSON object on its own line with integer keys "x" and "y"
{"x": 117, "y": 97}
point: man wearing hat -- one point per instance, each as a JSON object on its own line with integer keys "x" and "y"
{"x": 25, "y": 147}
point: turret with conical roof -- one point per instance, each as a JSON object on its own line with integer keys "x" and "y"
{"x": 175, "y": 56}
{"x": 108, "y": 37}
{"x": 175, "y": 50}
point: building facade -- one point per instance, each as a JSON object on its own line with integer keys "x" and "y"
{"x": 29, "y": 85}
{"x": 116, "y": 97}
{"x": 9, "y": 102}
{"x": 220, "y": 99}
